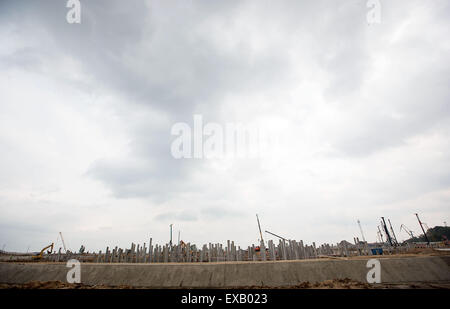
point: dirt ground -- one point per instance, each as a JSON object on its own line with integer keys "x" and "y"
{"x": 328, "y": 284}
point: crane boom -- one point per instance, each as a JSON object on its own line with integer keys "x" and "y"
{"x": 259, "y": 227}
{"x": 383, "y": 223}
{"x": 360, "y": 228}
{"x": 407, "y": 230}
{"x": 381, "y": 235}
{"x": 62, "y": 239}
{"x": 392, "y": 231}
{"x": 277, "y": 236}
{"x": 424, "y": 233}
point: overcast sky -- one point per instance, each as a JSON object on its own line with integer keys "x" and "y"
{"x": 86, "y": 112}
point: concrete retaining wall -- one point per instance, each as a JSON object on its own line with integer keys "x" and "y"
{"x": 233, "y": 274}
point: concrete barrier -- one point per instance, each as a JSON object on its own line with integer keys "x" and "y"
{"x": 233, "y": 274}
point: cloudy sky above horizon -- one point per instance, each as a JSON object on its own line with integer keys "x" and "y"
{"x": 86, "y": 112}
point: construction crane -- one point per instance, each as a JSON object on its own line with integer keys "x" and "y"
{"x": 383, "y": 223}
{"x": 259, "y": 227}
{"x": 425, "y": 234}
{"x": 360, "y": 228}
{"x": 392, "y": 231}
{"x": 41, "y": 254}
{"x": 378, "y": 237}
{"x": 407, "y": 230}
{"x": 284, "y": 239}
{"x": 381, "y": 234}
{"x": 64, "y": 244}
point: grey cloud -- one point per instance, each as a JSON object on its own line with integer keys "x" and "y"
{"x": 162, "y": 61}
{"x": 220, "y": 213}
{"x": 174, "y": 216}
{"x": 421, "y": 103}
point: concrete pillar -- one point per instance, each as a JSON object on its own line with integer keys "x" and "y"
{"x": 145, "y": 254}
{"x": 179, "y": 254}
{"x": 166, "y": 253}
{"x": 205, "y": 255}
{"x": 119, "y": 255}
{"x": 107, "y": 255}
{"x": 209, "y": 252}
{"x": 290, "y": 250}
{"x": 295, "y": 252}
{"x": 194, "y": 255}
{"x": 150, "y": 251}
{"x": 216, "y": 252}
{"x": 228, "y": 250}
{"x": 114, "y": 255}
{"x": 173, "y": 256}
{"x": 188, "y": 252}
{"x": 263, "y": 251}
{"x": 138, "y": 253}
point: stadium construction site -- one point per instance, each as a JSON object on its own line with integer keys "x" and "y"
{"x": 286, "y": 264}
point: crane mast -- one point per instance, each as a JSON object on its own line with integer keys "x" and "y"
{"x": 284, "y": 239}
{"x": 383, "y": 223}
{"x": 64, "y": 244}
{"x": 392, "y": 231}
{"x": 381, "y": 234}
{"x": 259, "y": 227}
{"x": 360, "y": 228}
{"x": 424, "y": 234}
{"x": 407, "y": 230}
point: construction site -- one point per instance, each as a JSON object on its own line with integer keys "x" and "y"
{"x": 286, "y": 263}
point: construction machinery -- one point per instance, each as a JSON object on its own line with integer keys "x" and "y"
{"x": 392, "y": 231}
{"x": 41, "y": 254}
{"x": 258, "y": 248}
{"x": 64, "y": 244}
{"x": 284, "y": 239}
{"x": 82, "y": 249}
{"x": 259, "y": 227}
{"x": 381, "y": 234}
{"x": 407, "y": 230}
{"x": 383, "y": 225}
{"x": 360, "y": 228}
{"x": 424, "y": 233}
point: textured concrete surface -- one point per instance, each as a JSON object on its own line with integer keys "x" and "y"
{"x": 233, "y": 274}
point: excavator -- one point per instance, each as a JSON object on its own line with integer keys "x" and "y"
{"x": 40, "y": 255}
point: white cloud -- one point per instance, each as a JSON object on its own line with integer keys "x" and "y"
{"x": 86, "y": 112}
